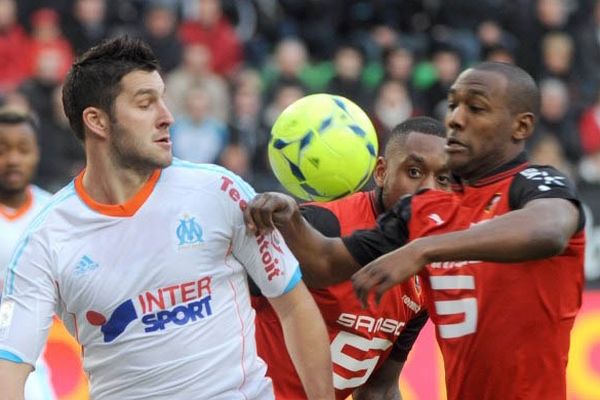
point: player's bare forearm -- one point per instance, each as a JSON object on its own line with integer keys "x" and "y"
{"x": 541, "y": 229}
{"x": 12, "y": 380}
{"x": 324, "y": 260}
{"x": 383, "y": 384}
{"x": 307, "y": 341}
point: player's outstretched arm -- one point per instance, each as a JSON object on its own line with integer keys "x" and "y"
{"x": 541, "y": 229}
{"x": 12, "y": 379}
{"x": 324, "y": 260}
{"x": 306, "y": 340}
{"x": 383, "y": 384}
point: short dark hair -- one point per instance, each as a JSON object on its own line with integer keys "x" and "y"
{"x": 11, "y": 116}
{"x": 94, "y": 79}
{"x": 522, "y": 93}
{"x": 424, "y": 125}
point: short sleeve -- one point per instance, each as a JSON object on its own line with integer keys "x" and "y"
{"x": 391, "y": 233}
{"x": 266, "y": 258}
{"x": 28, "y": 302}
{"x": 408, "y": 336}
{"x": 322, "y": 219}
{"x": 543, "y": 182}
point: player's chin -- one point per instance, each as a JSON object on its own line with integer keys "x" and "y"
{"x": 164, "y": 160}
{"x": 457, "y": 162}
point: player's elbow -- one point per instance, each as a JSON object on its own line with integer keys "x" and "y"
{"x": 319, "y": 275}
{"x": 550, "y": 241}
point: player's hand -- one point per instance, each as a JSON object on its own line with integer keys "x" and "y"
{"x": 268, "y": 211}
{"x": 386, "y": 271}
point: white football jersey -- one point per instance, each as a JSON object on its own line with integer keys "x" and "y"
{"x": 155, "y": 289}
{"x": 14, "y": 222}
{"x": 12, "y": 225}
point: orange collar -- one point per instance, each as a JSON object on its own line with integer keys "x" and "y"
{"x": 11, "y": 214}
{"x": 127, "y": 209}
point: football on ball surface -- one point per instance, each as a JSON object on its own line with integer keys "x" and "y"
{"x": 323, "y": 147}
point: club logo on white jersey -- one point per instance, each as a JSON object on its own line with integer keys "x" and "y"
{"x": 436, "y": 218}
{"x": 189, "y": 232}
{"x": 85, "y": 265}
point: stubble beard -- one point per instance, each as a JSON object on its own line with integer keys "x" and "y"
{"x": 128, "y": 153}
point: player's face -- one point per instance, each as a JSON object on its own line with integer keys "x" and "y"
{"x": 420, "y": 163}
{"x": 140, "y": 128}
{"x": 19, "y": 156}
{"x": 479, "y": 123}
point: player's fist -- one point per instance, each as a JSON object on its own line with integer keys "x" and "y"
{"x": 270, "y": 210}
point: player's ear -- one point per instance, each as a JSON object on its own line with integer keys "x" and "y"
{"x": 524, "y": 123}
{"x": 379, "y": 172}
{"x": 96, "y": 121}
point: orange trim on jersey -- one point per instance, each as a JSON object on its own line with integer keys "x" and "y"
{"x": 126, "y": 209}
{"x": 11, "y": 215}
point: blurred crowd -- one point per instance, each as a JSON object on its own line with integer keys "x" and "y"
{"x": 232, "y": 66}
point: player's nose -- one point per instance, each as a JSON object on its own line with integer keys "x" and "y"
{"x": 428, "y": 182}
{"x": 165, "y": 118}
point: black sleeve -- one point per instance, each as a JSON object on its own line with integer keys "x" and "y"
{"x": 391, "y": 232}
{"x": 543, "y": 182}
{"x": 322, "y": 219}
{"x": 407, "y": 338}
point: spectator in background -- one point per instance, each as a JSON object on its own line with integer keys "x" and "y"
{"x": 498, "y": 53}
{"x": 544, "y": 16}
{"x": 558, "y": 56}
{"x": 589, "y": 130}
{"x": 392, "y": 106}
{"x": 213, "y": 30}
{"x": 46, "y": 35}
{"x": 61, "y": 155}
{"x": 196, "y": 136}
{"x": 398, "y": 64}
{"x": 283, "y": 95}
{"x": 347, "y": 82}
{"x": 14, "y": 48}
{"x": 556, "y": 122}
{"x": 588, "y": 50}
{"x": 48, "y": 74}
{"x": 160, "y": 32}
{"x": 195, "y": 71}
{"x": 447, "y": 64}
{"x": 86, "y": 25}
{"x": 248, "y": 130}
{"x": 491, "y": 36}
{"x": 290, "y": 59}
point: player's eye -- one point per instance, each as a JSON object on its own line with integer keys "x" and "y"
{"x": 443, "y": 180}
{"x": 415, "y": 173}
{"x": 475, "y": 108}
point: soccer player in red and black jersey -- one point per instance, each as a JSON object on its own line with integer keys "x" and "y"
{"x": 501, "y": 258}
{"x": 369, "y": 346}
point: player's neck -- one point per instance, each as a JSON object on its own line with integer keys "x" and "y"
{"x": 13, "y": 200}
{"x": 109, "y": 185}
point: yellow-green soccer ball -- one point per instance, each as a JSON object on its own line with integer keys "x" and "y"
{"x": 323, "y": 147}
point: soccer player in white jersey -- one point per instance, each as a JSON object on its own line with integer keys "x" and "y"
{"x": 146, "y": 258}
{"x": 20, "y": 201}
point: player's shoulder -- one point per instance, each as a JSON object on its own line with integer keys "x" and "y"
{"x": 39, "y": 194}
{"x": 50, "y": 216}
{"x": 544, "y": 175}
{"x": 186, "y": 173}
